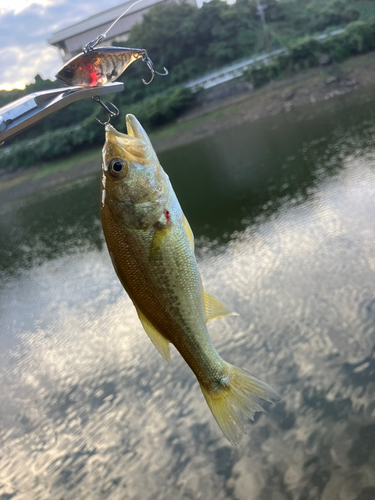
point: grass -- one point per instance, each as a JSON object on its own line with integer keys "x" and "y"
{"x": 57, "y": 166}
{"x": 176, "y": 128}
{"x": 68, "y": 163}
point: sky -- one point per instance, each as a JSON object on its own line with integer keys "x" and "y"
{"x": 25, "y": 26}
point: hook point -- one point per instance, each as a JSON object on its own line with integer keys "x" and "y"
{"x": 148, "y": 83}
{"x": 107, "y": 110}
{"x": 166, "y": 72}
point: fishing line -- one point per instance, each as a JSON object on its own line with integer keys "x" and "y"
{"x": 123, "y": 14}
{"x": 90, "y": 46}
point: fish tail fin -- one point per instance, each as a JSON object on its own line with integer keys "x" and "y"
{"x": 235, "y": 394}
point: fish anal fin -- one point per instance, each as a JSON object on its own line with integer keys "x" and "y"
{"x": 189, "y": 232}
{"x": 215, "y": 308}
{"x": 159, "y": 341}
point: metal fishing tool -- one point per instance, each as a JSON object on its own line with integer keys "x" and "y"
{"x": 18, "y": 115}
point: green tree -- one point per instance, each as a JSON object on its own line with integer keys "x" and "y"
{"x": 323, "y": 13}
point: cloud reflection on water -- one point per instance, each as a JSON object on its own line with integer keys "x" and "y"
{"x": 91, "y": 410}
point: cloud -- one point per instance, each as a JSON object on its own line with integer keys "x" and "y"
{"x": 17, "y": 6}
{"x": 22, "y": 64}
{"x": 24, "y": 29}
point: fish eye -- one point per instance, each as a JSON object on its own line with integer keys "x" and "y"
{"x": 117, "y": 167}
{"x": 68, "y": 73}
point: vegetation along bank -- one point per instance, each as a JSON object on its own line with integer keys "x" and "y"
{"x": 185, "y": 40}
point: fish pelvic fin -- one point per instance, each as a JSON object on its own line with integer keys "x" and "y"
{"x": 159, "y": 341}
{"x": 236, "y": 394}
{"x": 214, "y": 308}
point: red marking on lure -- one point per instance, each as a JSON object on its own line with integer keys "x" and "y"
{"x": 167, "y": 216}
{"x": 94, "y": 75}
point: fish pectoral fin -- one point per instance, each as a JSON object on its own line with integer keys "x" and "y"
{"x": 159, "y": 341}
{"x": 215, "y": 308}
{"x": 157, "y": 240}
{"x": 189, "y": 232}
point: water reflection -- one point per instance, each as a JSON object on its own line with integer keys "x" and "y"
{"x": 283, "y": 215}
{"x": 48, "y": 225}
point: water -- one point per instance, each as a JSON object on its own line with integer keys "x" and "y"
{"x": 283, "y": 213}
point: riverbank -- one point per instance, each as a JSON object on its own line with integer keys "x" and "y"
{"x": 282, "y": 96}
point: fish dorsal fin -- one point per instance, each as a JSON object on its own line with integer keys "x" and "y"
{"x": 215, "y": 308}
{"x": 189, "y": 232}
{"x": 159, "y": 341}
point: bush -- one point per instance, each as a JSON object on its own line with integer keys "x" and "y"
{"x": 305, "y": 53}
{"x": 46, "y": 147}
{"x": 162, "y": 108}
{"x": 357, "y": 38}
{"x": 261, "y": 74}
{"x": 323, "y": 13}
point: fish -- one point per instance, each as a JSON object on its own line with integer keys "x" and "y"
{"x": 98, "y": 67}
{"x": 151, "y": 246}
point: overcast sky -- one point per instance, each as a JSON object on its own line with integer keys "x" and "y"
{"x": 25, "y": 26}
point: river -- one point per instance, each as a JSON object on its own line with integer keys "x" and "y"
{"x": 283, "y": 212}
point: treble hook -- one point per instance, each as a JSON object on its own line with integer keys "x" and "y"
{"x": 150, "y": 66}
{"x": 97, "y": 99}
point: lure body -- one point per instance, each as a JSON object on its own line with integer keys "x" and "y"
{"x": 98, "y": 66}
{"x": 152, "y": 250}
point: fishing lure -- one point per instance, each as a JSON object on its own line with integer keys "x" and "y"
{"x": 96, "y": 66}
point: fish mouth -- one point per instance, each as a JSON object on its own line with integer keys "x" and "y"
{"x": 135, "y": 144}
{"x": 135, "y": 133}
{"x": 134, "y": 128}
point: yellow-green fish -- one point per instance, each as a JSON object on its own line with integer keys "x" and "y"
{"x": 152, "y": 249}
